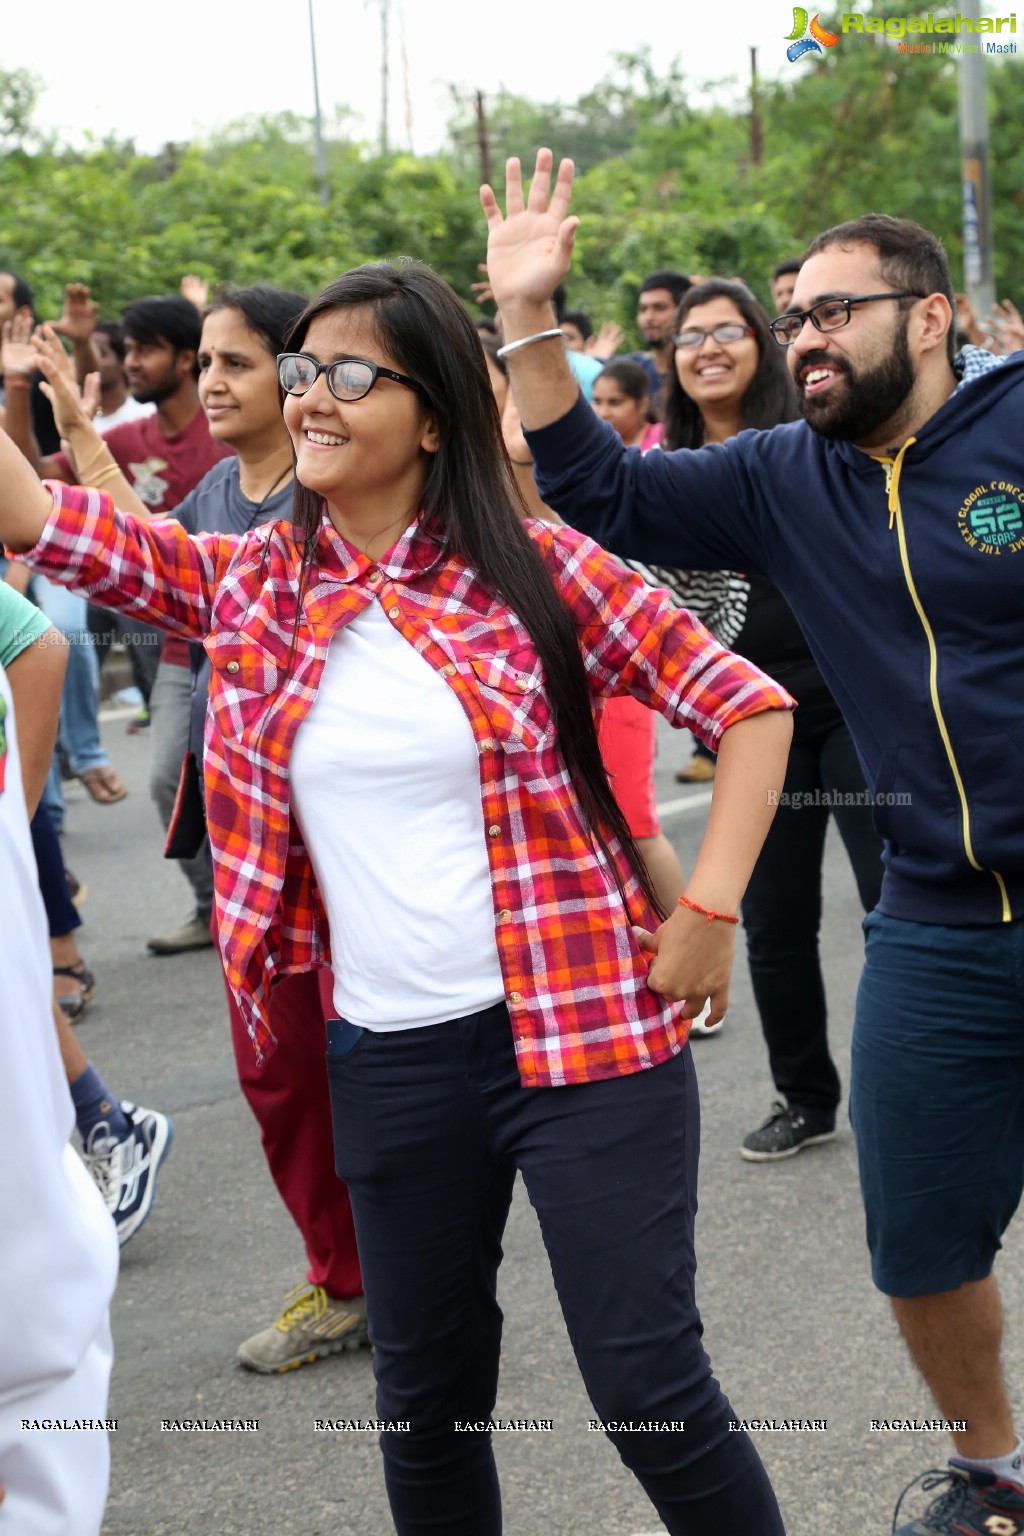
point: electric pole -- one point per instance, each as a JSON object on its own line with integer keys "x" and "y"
{"x": 383, "y": 77}
{"x": 318, "y": 137}
{"x": 755, "y": 113}
{"x": 483, "y": 139}
{"x": 979, "y": 278}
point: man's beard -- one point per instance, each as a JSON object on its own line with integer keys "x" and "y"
{"x": 155, "y": 394}
{"x": 868, "y": 401}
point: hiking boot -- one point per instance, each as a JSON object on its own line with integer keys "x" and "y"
{"x": 699, "y": 770}
{"x": 784, "y": 1133}
{"x": 125, "y": 1171}
{"x": 976, "y": 1503}
{"x": 195, "y": 934}
{"x": 311, "y": 1326}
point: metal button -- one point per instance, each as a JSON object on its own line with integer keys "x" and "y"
{"x": 504, "y": 915}
{"x": 515, "y": 997}
{"x": 394, "y": 613}
{"x": 448, "y": 670}
{"x": 493, "y": 831}
{"x": 232, "y": 666}
{"x": 522, "y": 682}
{"x": 488, "y": 744}
{"x": 374, "y": 578}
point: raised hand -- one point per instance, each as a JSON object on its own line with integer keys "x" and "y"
{"x": 1006, "y": 325}
{"x": 78, "y": 320}
{"x": 61, "y": 387}
{"x": 606, "y": 343}
{"x": 196, "y": 290}
{"x": 529, "y": 248}
{"x": 481, "y": 291}
{"x": 17, "y": 354}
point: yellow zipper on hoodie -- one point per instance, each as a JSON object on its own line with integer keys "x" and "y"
{"x": 893, "y": 468}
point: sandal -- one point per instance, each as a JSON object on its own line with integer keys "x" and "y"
{"x": 103, "y": 785}
{"x": 71, "y": 1006}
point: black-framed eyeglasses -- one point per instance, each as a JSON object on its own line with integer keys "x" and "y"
{"x": 829, "y": 315}
{"x": 724, "y": 334}
{"x": 350, "y": 378}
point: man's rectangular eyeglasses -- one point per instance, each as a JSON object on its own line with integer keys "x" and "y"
{"x": 731, "y": 331}
{"x": 350, "y": 378}
{"x": 829, "y": 315}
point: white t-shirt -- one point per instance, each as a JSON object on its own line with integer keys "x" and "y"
{"x": 385, "y": 786}
{"x": 59, "y": 1260}
{"x": 130, "y": 410}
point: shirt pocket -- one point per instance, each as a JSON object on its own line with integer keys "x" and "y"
{"x": 510, "y": 686}
{"x": 243, "y": 681}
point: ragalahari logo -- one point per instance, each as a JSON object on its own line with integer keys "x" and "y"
{"x": 807, "y": 38}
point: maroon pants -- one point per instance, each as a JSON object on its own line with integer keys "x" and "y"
{"x": 292, "y": 1105}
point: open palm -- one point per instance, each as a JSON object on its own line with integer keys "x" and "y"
{"x": 529, "y": 248}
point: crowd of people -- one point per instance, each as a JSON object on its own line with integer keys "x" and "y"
{"x": 401, "y": 701}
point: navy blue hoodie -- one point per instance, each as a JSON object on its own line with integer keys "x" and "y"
{"x": 907, "y": 578}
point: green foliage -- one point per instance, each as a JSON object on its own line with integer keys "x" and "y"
{"x": 19, "y": 92}
{"x": 667, "y": 177}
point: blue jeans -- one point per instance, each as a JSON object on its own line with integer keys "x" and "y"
{"x": 430, "y": 1127}
{"x": 80, "y": 700}
{"x": 937, "y": 1098}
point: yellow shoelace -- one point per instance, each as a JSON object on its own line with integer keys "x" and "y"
{"x": 310, "y": 1301}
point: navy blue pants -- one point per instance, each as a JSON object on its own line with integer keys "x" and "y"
{"x": 61, "y": 913}
{"x": 937, "y": 1099}
{"x": 430, "y": 1126}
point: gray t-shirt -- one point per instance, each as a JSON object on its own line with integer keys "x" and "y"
{"x": 217, "y": 505}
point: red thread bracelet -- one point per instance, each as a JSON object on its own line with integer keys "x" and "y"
{"x": 712, "y": 917}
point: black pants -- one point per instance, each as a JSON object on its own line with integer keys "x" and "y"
{"x": 782, "y": 912}
{"x": 430, "y": 1126}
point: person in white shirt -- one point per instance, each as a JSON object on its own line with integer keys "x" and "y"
{"x": 60, "y": 1247}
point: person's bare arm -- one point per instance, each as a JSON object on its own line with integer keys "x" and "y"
{"x": 18, "y": 577}
{"x": 36, "y": 676}
{"x": 521, "y": 460}
{"x": 692, "y": 956}
{"x": 94, "y": 463}
{"x": 528, "y": 254}
{"x": 18, "y": 361}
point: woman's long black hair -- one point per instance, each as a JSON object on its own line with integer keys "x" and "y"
{"x": 470, "y": 498}
{"x": 771, "y": 397}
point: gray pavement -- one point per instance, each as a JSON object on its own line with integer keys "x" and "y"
{"x": 793, "y": 1326}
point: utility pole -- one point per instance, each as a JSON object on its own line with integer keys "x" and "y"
{"x": 318, "y": 137}
{"x": 383, "y": 77}
{"x": 755, "y": 113}
{"x": 483, "y": 140}
{"x": 979, "y": 278}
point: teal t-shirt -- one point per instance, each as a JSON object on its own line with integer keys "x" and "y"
{"x": 21, "y": 622}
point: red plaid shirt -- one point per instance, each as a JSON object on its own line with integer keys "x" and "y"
{"x": 575, "y": 978}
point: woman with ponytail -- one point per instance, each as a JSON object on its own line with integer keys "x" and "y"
{"x": 403, "y": 782}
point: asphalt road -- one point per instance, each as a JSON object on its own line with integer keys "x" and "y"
{"x": 793, "y": 1325}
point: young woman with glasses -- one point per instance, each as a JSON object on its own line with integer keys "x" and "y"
{"x": 403, "y": 782}
{"x": 730, "y": 374}
{"x": 243, "y": 331}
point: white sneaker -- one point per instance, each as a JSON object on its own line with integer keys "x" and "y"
{"x": 700, "y": 1026}
{"x": 125, "y": 1171}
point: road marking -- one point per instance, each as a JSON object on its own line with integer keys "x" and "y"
{"x": 677, "y": 808}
